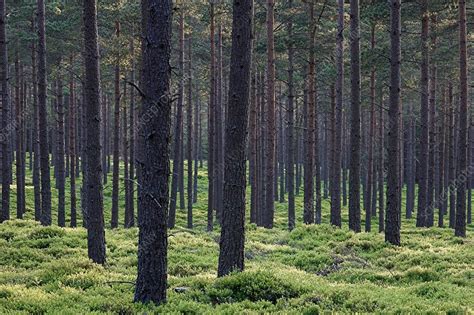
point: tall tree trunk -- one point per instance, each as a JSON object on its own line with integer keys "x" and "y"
{"x": 290, "y": 167}
{"x": 36, "y": 147}
{"x": 452, "y": 156}
{"x": 370, "y": 212}
{"x": 72, "y": 146}
{"x": 105, "y": 136}
{"x": 92, "y": 183}
{"x": 337, "y": 144}
{"x": 442, "y": 197}
{"x": 460, "y": 229}
{"x": 20, "y": 187}
{"x": 60, "y": 149}
{"x": 231, "y": 255}
{"x": 381, "y": 168}
{"x": 126, "y": 175}
{"x": 131, "y": 183}
{"x": 393, "y": 218}
{"x": 178, "y": 127}
{"x": 270, "y": 143}
{"x": 211, "y": 131}
{"x": 354, "y": 175}
{"x": 308, "y": 209}
{"x": 410, "y": 163}
{"x": 432, "y": 183}
{"x": 116, "y": 153}
{"x": 153, "y": 152}
{"x": 190, "y": 137}
{"x": 219, "y": 132}
{"x": 43, "y": 121}
{"x": 5, "y": 102}
{"x": 423, "y": 202}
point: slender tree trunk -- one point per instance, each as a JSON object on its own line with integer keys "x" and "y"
{"x": 60, "y": 149}
{"x": 154, "y": 152}
{"x": 290, "y": 167}
{"x": 72, "y": 147}
{"x": 126, "y": 175}
{"x": 190, "y": 137}
{"x": 20, "y": 187}
{"x": 354, "y": 180}
{"x": 178, "y": 128}
{"x": 393, "y": 218}
{"x": 43, "y": 122}
{"x": 441, "y": 197}
{"x": 211, "y": 132}
{"x": 231, "y": 256}
{"x": 423, "y": 201}
{"x": 196, "y": 139}
{"x": 131, "y": 183}
{"x": 252, "y": 144}
{"x": 432, "y": 183}
{"x": 270, "y": 137}
{"x": 410, "y": 163}
{"x": 5, "y": 102}
{"x": 381, "y": 168}
{"x": 36, "y": 147}
{"x": 452, "y": 164}
{"x": 116, "y": 167}
{"x": 370, "y": 167}
{"x": 308, "y": 210}
{"x": 92, "y": 184}
{"x": 105, "y": 131}
{"x": 460, "y": 228}
{"x": 219, "y": 129}
{"x": 337, "y": 144}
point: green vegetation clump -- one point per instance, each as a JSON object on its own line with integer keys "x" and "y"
{"x": 310, "y": 270}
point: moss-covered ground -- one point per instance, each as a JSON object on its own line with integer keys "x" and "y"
{"x": 313, "y": 269}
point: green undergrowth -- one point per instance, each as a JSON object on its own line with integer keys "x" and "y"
{"x": 313, "y": 269}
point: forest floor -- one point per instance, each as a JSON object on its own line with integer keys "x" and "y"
{"x": 306, "y": 271}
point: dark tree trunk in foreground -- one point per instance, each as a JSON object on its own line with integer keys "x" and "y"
{"x": 424, "y": 112}
{"x": 60, "y": 160}
{"x": 460, "y": 229}
{"x": 354, "y": 175}
{"x": 154, "y": 152}
{"x": 392, "y": 221}
{"x": 231, "y": 255}
{"x": 116, "y": 169}
{"x": 290, "y": 167}
{"x": 5, "y": 103}
{"x": 92, "y": 185}
{"x": 43, "y": 122}
{"x": 177, "y": 147}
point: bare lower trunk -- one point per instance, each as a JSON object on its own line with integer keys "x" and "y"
{"x": 354, "y": 175}
{"x": 231, "y": 255}
{"x": 43, "y": 121}
{"x": 393, "y": 218}
{"x": 92, "y": 184}
{"x": 460, "y": 229}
